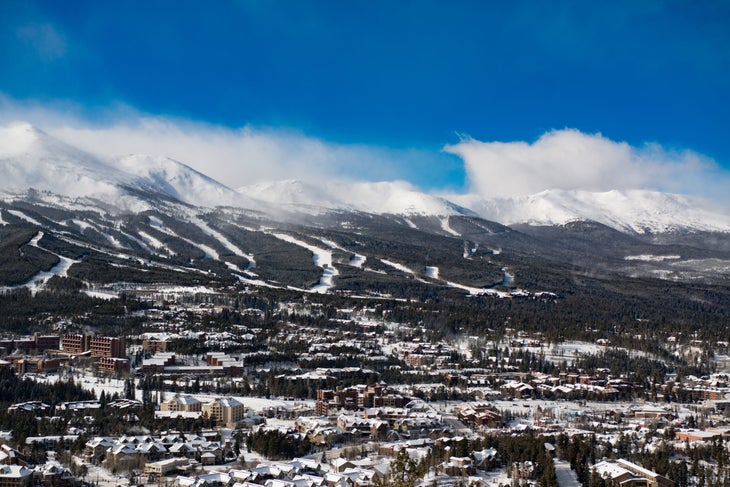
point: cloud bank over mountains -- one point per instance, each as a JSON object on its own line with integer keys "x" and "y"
{"x": 566, "y": 159}
{"x": 572, "y": 160}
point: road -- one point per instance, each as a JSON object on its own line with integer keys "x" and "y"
{"x": 566, "y": 476}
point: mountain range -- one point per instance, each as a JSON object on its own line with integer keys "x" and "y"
{"x": 141, "y": 218}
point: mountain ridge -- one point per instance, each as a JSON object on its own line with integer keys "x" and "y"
{"x": 30, "y": 158}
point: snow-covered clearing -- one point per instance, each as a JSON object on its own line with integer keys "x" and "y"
{"x": 652, "y": 258}
{"x": 153, "y": 242}
{"x": 572, "y": 350}
{"x": 321, "y": 258}
{"x": 139, "y": 242}
{"x": 356, "y": 260}
{"x": 23, "y": 216}
{"x": 326, "y": 281}
{"x": 222, "y": 239}
{"x": 397, "y": 266}
{"x": 101, "y": 294}
{"x": 447, "y": 228}
{"x": 470, "y": 250}
{"x": 81, "y": 224}
{"x": 2, "y": 222}
{"x": 410, "y": 223}
{"x": 128, "y": 257}
{"x": 61, "y": 269}
{"x": 477, "y": 291}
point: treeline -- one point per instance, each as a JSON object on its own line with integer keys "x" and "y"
{"x": 24, "y": 313}
{"x": 19, "y": 262}
{"x": 275, "y": 445}
{"x": 25, "y": 423}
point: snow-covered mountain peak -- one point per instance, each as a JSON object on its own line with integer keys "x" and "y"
{"x": 30, "y": 158}
{"x": 290, "y": 192}
{"x": 177, "y": 180}
{"x": 18, "y": 138}
{"x": 394, "y": 197}
{"x": 633, "y": 211}
{"x": 385, "y": 197}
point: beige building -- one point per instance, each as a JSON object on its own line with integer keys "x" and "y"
{"x": 181, "y": 403}
{"x": 163, "y": 467}
{"x": 226, "y": 411}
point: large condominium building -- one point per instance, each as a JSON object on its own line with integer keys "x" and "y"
{"x": 226, "y": 411}
{"x": 181, "y": 403}
{"x": 99, "y": 346}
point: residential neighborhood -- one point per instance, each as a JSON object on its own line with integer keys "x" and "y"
{"x": 354, "y": 401}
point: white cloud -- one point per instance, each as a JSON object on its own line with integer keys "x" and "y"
{"x": 233, "y": 156}
{"x": 569, "y": 159}
{"x": 560, "y": 159}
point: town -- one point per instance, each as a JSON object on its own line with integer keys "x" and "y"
{"x": 306, "y": 393}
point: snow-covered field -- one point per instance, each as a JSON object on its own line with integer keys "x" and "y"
{"x": 652, "y": 258}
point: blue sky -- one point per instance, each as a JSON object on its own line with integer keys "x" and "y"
{"x": 394, "y": 80}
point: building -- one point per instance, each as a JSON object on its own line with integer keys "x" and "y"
{"x": 163, "y": 467}
{"x": 357, "y": 397}
{"x": 627, "y": 474}
{"x": 99, "y": 346}
{"x": 695, "y": 435}
{"x": 36, "y": 344}
{"x": 35, "y": 365}
{"x": 102, "y": 346}
{"x": 182, "y": 403}
{"x": 75, "y": 344}
{"x": 15, "y": 476}
{"x": 113, "y": 365}
{"x": 226, "y": 411}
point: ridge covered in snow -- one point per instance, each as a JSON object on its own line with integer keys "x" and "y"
{"x": 385, "y": 197}
{"x": 32, "y": 159}
{"x": 176, "y": 180}
{"x": 632, "y": 211}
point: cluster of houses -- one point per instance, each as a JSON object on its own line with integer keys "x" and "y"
{"x": 128, "y": 452}
{"x": 16, "y": 472}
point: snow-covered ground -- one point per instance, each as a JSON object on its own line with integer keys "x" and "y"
{"x": 397, "y": 266}
{"x": 36, "y": 282}
{"x": 652, "y": 258}
{"x": 222, "y": 239}
{"x": 447, "y": 228}
{"x": 23, "y": 216}
{"x": 321, "y": 257}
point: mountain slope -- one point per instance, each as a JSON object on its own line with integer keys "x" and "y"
{"x": 385, "y": 197}
{"x": 176, "y": 180}
{"x": 632, "y": 211}
{"x": 30, "y": 158}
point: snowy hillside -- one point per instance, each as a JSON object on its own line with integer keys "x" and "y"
{"x": 637, "y": 211}
{"x": 176, "y": 180}
{"x": 30, "y": 158}
{"x": 293, "y": 194}
{"x": 396, "y": 197}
